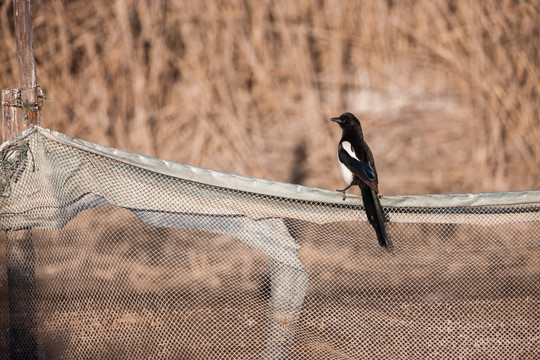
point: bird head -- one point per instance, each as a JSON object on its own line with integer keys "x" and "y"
{"x": 348, "y": 121}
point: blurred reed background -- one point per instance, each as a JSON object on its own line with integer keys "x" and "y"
{"x": 447, "y": 91}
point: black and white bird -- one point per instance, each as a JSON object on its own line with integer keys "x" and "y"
{"x": 358, "y": 168}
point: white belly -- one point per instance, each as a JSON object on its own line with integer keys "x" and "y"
{"x": 346, "y": 173}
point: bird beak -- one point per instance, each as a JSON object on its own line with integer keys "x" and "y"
{"x": 336, "y": 119}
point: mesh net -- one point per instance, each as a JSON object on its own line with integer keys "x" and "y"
{"x": 111, "y": 255}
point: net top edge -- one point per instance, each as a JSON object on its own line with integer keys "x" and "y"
{"x": 278, "y": 189}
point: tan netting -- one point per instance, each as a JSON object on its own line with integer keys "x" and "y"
{"x": 111, "y": 255}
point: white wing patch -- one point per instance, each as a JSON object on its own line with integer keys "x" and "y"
{"x": 349, "y": 149}
{"x": 346, "y": 173}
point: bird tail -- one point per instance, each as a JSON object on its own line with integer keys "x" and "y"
{"x": 375, "y": 215}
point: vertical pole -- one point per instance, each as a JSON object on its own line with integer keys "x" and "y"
{"x": 20, "y": 253}
{"x": 25, "y": 51}
{"x": 13, "y": 121}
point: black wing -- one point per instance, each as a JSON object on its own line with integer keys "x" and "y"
{"x": 365, "y": 172}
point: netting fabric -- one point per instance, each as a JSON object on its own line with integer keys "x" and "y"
{"x": 112, "y": 255}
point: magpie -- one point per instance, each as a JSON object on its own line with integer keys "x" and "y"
{"x": 358, "y": 168}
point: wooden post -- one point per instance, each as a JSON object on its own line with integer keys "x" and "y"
{"x": 20, "y": 252}
{"x": 25, "y": 51}
{"x": 13, "y": 121}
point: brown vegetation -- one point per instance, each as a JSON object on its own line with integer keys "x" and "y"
{"x": 448, "y": 91}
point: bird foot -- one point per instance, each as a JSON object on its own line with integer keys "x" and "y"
{"x": 343, "y": 192}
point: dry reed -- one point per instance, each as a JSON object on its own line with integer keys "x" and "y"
{"x": 447, "y": 91}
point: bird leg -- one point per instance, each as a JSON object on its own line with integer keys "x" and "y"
{"x": 343, "y": 191}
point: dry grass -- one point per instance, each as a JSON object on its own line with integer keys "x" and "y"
{"x": 448, "y": 92}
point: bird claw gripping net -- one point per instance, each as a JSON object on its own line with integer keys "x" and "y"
{"x": 113, "y": 255}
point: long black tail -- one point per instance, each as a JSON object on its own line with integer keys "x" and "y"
{"x": 375, "y": 215}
